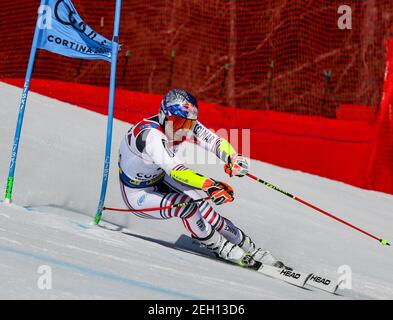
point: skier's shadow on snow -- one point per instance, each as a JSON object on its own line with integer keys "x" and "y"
{"x": 158, "y": 241}
{"x": 146, "y": 238}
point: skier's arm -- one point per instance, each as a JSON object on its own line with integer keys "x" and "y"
{"x": 157, "y": 149}
{"x": 235, "y": 164}
{"x": 212, "y": 142}
{"x": 219, "y": 192}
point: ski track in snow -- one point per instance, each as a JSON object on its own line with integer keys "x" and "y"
{"x": 56, "y": 191}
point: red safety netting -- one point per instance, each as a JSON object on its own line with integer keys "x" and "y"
{"x": 380, "y": 168}
{"x": 281, "y": 55}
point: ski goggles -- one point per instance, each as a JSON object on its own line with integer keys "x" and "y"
{"x": 179, "y": 123}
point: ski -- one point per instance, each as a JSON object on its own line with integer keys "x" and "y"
{"x": 323, "y": 283}
{"x": 297, "y": 278}
{"x": 293, "y": 277}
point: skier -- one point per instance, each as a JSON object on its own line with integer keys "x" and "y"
{"x": 152, "y": 175}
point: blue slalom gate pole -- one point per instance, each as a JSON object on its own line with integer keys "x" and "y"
{"x": 22, "y": 106}
{"x": 115, "y": 50}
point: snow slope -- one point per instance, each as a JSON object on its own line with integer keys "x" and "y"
{"x": 57, "y": 184}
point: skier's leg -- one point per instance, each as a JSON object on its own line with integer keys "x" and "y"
{"x": 234, "y": 234}
{"x": 225, "y": 226}
{"x": 150, "y": 197}
{"x": 258, "y": 254}
{"x": 191, "y": 216}
{"x": 221, "y": 224}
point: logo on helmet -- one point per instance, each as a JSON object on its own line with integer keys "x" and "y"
{"x": 191, "y": 110}
{"x": 179, "y": 103}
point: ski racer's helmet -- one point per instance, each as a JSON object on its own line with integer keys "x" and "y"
{"x": 180, "y": 107}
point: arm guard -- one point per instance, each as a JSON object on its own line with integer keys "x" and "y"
{"x": 225, "y": 150}
{"x": 188, "y": 177}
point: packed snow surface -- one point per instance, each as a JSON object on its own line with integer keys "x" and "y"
{"x": 48, "y": 230}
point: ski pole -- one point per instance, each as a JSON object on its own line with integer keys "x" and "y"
{"x": 181, "y": 204}
{"x": 382, "y": 241}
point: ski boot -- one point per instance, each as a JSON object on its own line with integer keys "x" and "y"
{"x": 258, "y": 254}
{"x": 222, "y": 248}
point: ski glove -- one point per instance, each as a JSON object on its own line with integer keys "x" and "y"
{"x": 237, "y": 166}
{"x": 219, "y": 192}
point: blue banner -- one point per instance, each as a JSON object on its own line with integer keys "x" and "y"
{"x": 62, "y": 31}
